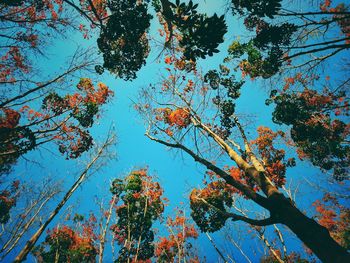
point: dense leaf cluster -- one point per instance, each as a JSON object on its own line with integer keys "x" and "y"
{"x": 14, "y": 139}
{"x": 141, "y": 207}
{"x": 265, "y": 50}
{"x": 260, "y": 8}
{"x": 209, "y": 206}
{"x": 201, "y": 35}
{"x": 319, "y": 138}
{"x": 8, "y": 199}
{"x": 123, "y": 39}
{"x": 65, "y": 245}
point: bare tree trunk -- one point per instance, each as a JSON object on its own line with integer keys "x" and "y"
{"x": 104, "y": 232}
{"x": 31, "y": 242}
{"x": 25, "y": 228}
{"x": 216, "y": 248}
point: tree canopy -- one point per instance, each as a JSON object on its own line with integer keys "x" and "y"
{"x": 253, "y": 96}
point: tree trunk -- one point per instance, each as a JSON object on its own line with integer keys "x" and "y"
{"x": 31, "y": 242}
{"x": 314, "y": 236}
{"x": 104, "y": 231}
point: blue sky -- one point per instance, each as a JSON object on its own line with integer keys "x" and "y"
{"x": 177, "y": 175}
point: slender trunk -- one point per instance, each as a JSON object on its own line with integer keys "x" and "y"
{"x": 240, "y": 250}
{"x": 129, "y": 234}
{"x": 268, "y": 245}
{"x": 314, "y": 236}
{"x": 104, "y": 232}
{"x": 280, "y": 236}
{"x": 25, "y": 228}
{"x": 31, "y": 242}
{"x": 216, "y": 248}
{"x": 141, "y": 232}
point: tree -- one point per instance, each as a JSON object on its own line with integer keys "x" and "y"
{"x": 124, "y": 27}
{"x": 258, "y": 173}
{"x": 107, "y": 214}
{"x": 190, "y": 111}
{"x": 318, "y": 128}
{"x": 31, "y": 242}
{"x": 62, "y": 119}
{"x": 279, "y": 39}
{"x": 25, "y": 27}
{"x": 34, "y": 199}
{"x": 335, "y": 217}
{"x": 141, "y": 205}
{"x": 286, "y": 47}
{"x": 176, "y": 247}
{"x": 66, "y": 245}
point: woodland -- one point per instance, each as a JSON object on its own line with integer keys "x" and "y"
{"x": 174, "y": 131}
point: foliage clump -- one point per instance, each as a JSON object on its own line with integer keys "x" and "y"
{"x": 63, "y": 244}
{"x": 142, "y": 204}
{"x": 209, "y": 206}
{"x": 318, "y": 136}
{"x": 123, "y": 40}
{"x": 8, "y": 199}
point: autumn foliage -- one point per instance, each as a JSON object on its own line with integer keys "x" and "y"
{"x": 317, "y": 127}
{"x": 23, "y": 24}
{"x": 63, "y": 244}
{"x": 142, "y": 204}
{"x": 61, "y": 119}
{"x": 335, "y": 217}
{"x": 177, "y": 247}
{"x": 199, "y": 113}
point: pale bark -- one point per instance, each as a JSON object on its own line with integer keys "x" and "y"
{"x": 32, "y": 241}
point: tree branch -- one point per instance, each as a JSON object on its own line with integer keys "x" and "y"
{"x": 262, "y": 201}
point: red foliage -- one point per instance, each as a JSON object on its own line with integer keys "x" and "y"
{"x": 335, "y": 217}
{"x": 179, "y": 118}
{"x": 56, "y": 120}
{"x": 11, "y": 118}
{"x": 23, "y": 26}
{"x": 343, "y": 20}
{"x": 98, "y": 96}
{"x": 79, "y": 246}
{"x": 168, "y": 248}
{"x": 273, "y": 158}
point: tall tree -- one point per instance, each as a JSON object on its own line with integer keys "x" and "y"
{"x": 66, "y": 245}
{"x": 34, "y": 199}
{"x": 26, "y": 28}
{"x": 177, "y": 247}
{"x": 62, "y": 119}
{"x": 82, "y": 177}
{"x": 258, "y": 168}
{"x": 141, "y": 206}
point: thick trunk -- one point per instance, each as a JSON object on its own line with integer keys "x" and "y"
{"x": 314, "y": 236}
